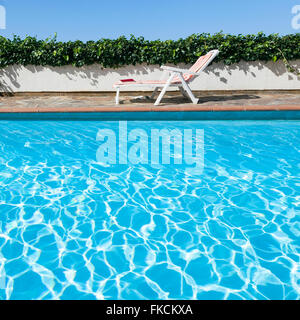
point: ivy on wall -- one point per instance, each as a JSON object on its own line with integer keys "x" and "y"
{"x": 123, "y": 51}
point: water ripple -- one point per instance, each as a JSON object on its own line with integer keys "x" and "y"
{"x": 73, "y": 229}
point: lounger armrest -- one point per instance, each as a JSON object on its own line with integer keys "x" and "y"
{"x": 172, "y": 69}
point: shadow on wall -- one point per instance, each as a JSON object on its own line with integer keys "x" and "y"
{"x": 11, "y": 74}
{"x": 277, "y": 68}
{"x": 94, "y": 76}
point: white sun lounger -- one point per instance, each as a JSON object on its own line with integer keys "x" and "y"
{"x": 179, "y": 78}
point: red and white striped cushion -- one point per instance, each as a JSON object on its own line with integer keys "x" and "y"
{"x": 187, "y": 77}
{"x": 120, "y": 83}
{"x": 197, "y": 66}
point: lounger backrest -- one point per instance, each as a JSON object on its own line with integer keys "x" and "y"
{"x": 201, "y": 64}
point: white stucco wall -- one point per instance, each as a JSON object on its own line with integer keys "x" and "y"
{"x": 242, "y": 76}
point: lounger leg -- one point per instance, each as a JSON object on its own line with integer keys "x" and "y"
{"x": 163, "y": 91}
{"x": 183, "y": 92}
{"x": 188, "y": 90}
{"x": 118, "y": 96}
{"x": 154, "y": 93}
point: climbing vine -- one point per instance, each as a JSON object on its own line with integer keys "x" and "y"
{"x": 123, "y": 51}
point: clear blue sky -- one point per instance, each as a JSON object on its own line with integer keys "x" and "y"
{"x": 153, "y": 19}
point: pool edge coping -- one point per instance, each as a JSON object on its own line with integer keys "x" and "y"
{"x": 163, "y": 108}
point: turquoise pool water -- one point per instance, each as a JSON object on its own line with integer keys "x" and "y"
{"x": 71, "y": 228}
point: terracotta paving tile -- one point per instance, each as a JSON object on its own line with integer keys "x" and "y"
{"x": 173, "y": 102}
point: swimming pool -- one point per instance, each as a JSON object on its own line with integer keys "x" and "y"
{"x": 73, "y": 228}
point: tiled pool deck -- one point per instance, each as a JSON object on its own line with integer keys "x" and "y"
{"x": 131, "y": 102}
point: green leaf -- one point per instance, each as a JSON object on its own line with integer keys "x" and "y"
{"x": 131, "y": 51}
